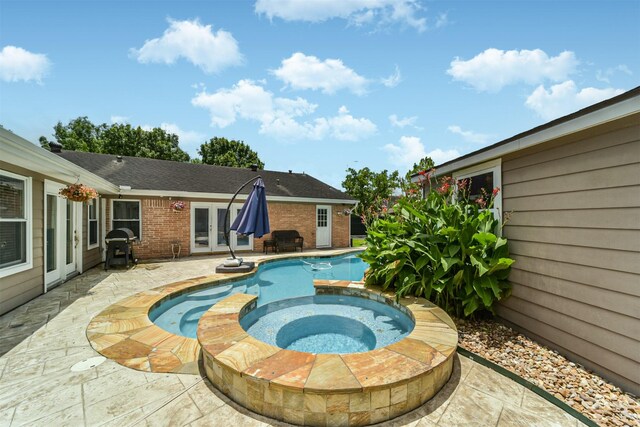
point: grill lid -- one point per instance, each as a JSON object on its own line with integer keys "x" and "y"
{"x": 120, "y": 234}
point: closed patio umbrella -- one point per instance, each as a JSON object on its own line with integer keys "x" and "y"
{"x": 252, "y": 219}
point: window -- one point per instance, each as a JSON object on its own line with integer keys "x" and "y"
{"x": 92, "y": 224}
{"x": 485, "y": 176}
{"x": 15, "y": 223}
{"x": 126, "y": 214}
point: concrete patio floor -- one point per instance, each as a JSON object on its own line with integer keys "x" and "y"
{"x": 42, "y": 340}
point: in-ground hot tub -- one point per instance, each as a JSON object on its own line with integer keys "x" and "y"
{"x": 367, "y": 384}
{"x": 328, "y": 324}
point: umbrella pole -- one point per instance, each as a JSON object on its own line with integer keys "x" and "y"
{"x": 227, "y": 229}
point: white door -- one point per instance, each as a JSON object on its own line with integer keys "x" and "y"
{"x": 323, "y": 226}
{"x": 61, "y": 235}
{"x": 207, "y": 228}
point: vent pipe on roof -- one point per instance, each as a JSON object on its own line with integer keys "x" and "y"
{"x": 254, "y": 167}
{"x": 55, "y": 147}
{"x": 278, "y": 181}
{"x": 119, "y": 159}
{"x": 290, "y": 171}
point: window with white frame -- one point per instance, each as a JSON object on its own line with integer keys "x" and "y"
{"x": 483, "y": 178}
{"x": 92, "y": 224}
{"x": 15, "y": 223}
{"x": 127, "y": 214}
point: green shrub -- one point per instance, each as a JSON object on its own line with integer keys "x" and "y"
{"x": 444, "y": 250}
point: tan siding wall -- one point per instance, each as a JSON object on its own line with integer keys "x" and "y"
{"x": 90, "y": 257}
{"x": 19, "y": 288}
{"x": 575, "y": 235}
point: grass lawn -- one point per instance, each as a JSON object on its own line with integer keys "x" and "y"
{"x": 358, "y": 242}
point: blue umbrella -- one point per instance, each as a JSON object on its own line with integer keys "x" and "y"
{"x": 253, "y": 217}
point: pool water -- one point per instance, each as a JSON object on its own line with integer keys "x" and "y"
{"x": 327, "y": 324}
{"x": 273, "y": 281}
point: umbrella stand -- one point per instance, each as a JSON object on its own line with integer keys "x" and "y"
{"x": 227, "y": 228}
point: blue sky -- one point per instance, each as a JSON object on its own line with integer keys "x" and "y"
{"x": 316, "y": 85}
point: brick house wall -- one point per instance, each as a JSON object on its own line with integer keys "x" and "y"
{"x": 161, "y": 226}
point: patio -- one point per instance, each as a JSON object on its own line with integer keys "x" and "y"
{"x": 42, "y": 340}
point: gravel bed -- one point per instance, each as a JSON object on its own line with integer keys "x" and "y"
{"x": 570, "y": 382}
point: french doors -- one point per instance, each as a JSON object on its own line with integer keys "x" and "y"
{"x": 62, "y": 236}
{"x": 207, "y": 228}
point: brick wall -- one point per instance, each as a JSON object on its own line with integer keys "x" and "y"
{"x": 161, "y": 226}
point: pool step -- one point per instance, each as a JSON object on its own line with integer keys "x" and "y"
{"x": 214, "y": 292}
{"x": 253, "y": 290}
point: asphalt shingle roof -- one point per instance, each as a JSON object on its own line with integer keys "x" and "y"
{"x": 151, "y": 174}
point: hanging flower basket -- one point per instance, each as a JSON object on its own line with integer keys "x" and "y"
{"x": 178, "y": 205}
{"x": 78, "y": 193}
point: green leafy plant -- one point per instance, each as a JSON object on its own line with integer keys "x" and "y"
{"x": 444, "y": 248}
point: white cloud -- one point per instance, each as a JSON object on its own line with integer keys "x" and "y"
{"x": 186, "y": 137}
{"x": 279, "y": 117}
{"x": 403, "y": 122}
{"x": 442, "y": 20}
{"x": 302, "y": 71}
{"x": 119, "y": 119}
{"x": 493, "y": 69}
{"x": 356, "y": 12}
{"x": 565, "y": 98}
{"x": 603, "y": 76}
{"x": 18, "y": 64}
{"x": 393, "y": 80}
{"x": 410, "y": 150}
{"x": 193, "y": 41}
{"x": 470, "y": 136}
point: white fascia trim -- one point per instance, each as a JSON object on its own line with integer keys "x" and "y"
{"x": 20, "y": 152}
{"x": 596, "y": 118}
{"x": 225, "y": 196}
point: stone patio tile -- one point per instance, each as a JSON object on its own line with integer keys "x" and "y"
{"x": 330, "y": 372}
{"x": 180, "y": 411}
{"x": 72, "y": 416}
{"x": 471, "y": 407}
{"x": 228, "y": 415}
{"x": 294, "y": 379}
{"x": 102, "y": 341}
{"x": 445, "y": 341}
{"x": 127, "y": 349}
{"x": 6, "y": 415}
{"x": 34, "y": 407}
{"x": 132, "y": 418}
{"x": 279, "y": 364}
{"x": 517, "y": 417}
{"x": 245, "y": 353}
{"x": 206, "y": 397}
{"x": 534, "y": 403}
{"x": 492, "y": 383}
{"x": 418, "y": 350}
{"x": 130, "y": 400}
{"x": 104, "y": 387}
{"x": 65, "y": 363}
{"x": 164, "y": 361}
{"x": 381, "y": 366}
{"x": 187, "y": 351}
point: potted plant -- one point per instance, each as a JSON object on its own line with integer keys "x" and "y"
{"x": 78, "y": 193}
{"x": 178, "y": 205}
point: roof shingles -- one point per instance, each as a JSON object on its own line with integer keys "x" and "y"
{"x": 163, "y": 175}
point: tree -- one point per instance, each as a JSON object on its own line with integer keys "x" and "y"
{"x": 424, "y": 164}
{"x": 371, "y": 189}
{"x": 224, "y": 152}
{"x": 120, "y": 139}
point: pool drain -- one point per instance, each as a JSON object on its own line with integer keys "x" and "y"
{"x": 87, "y": 364}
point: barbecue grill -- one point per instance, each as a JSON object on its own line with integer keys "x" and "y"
{"x": 119, "y": 248}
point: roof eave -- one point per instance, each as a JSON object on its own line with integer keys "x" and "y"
{"x": 22, "y": 153}
{"x": 615, "y": 111}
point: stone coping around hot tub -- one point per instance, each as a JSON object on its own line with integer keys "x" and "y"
{"x": 319, "y": 389}
{"x": 124, "y": 333}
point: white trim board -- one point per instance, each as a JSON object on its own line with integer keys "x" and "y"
{"x": 596, "y": 118}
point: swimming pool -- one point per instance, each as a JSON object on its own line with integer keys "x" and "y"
{"x": 273, "y": 281}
